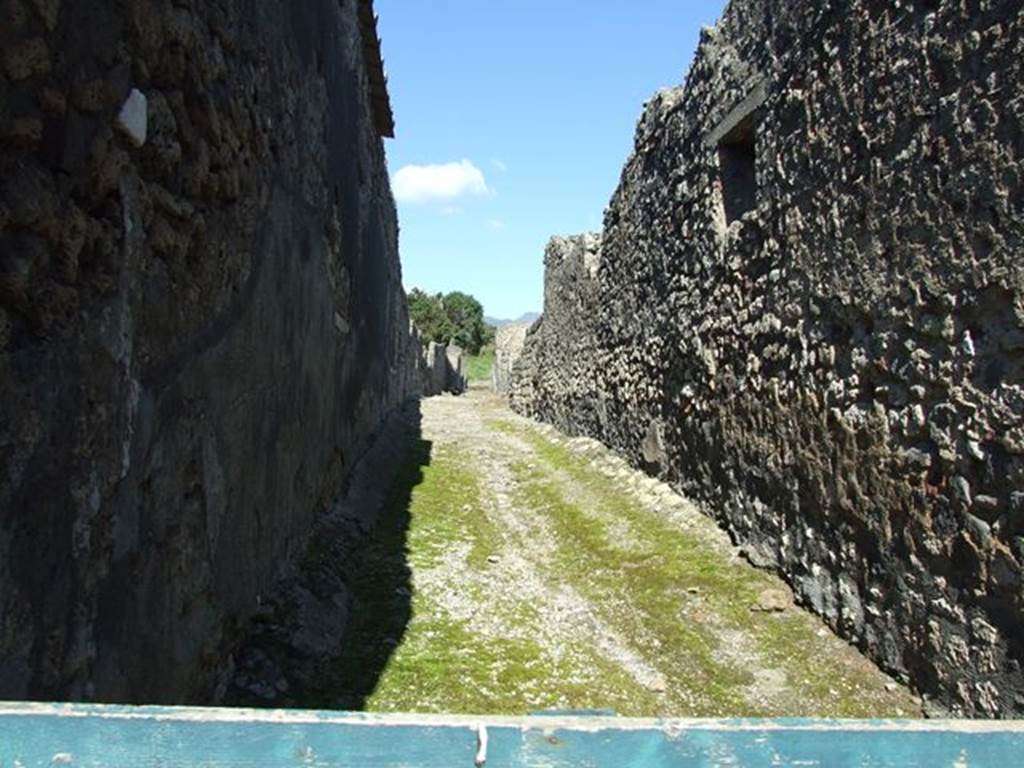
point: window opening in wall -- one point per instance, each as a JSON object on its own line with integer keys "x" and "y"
{"x": 738, "y": 168}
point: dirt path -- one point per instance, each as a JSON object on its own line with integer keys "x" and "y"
{"x": 547, "y": 573}
{"x": 514, "y": 569}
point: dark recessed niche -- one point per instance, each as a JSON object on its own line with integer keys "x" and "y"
{"x": 738, "y": 168}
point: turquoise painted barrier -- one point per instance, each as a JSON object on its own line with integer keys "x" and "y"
{"x": 142, "y": 737}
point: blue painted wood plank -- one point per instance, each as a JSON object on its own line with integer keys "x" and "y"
{"x": 84, "y": 736}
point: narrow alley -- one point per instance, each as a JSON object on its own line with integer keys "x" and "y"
{"x": 514, "y": 570}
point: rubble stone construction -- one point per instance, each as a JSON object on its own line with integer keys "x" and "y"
{"x": 440, "y": 368}
{"x": 202, "y": 322}
{"x": 509, "y": 341}
{"x": 806, "y": 309}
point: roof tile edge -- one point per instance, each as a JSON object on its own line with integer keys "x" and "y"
{"x": 380, "y": 102}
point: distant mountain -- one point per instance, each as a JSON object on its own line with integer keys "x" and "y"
{"x": 529, "y": 317}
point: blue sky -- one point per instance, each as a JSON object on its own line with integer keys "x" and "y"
{"x": 513, "y": 121}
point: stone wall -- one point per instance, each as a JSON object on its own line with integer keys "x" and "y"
{"x": 509, "y": 341}
{"x": 555, "y": 377}
{"x": 435, "y": 369}
{"x": 202, "y": 323}
{"x": 440, "y": 370}
{"x": 807, "y": 312}
{"x": 456, "y": 379}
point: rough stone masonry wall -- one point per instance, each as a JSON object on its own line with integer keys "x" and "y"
{"x": 839, "y": 372}
{"x": 509, "y": 341}
{"x": 554, "y": 377}
{"x": 198, "y": 335}
{"x": 440, "y": 370}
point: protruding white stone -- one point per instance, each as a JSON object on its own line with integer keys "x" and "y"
{"x": 132, "y": 118}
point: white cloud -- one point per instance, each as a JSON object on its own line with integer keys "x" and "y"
{"x": 500, "y": 165}
{"x": 495, "y": 224}
{"x": 431, "y": 183}
{"x": 451, "y": 210}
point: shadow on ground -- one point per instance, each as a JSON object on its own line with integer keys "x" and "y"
{"x": 381, "y": 584}
{"x": 325, "y": 637}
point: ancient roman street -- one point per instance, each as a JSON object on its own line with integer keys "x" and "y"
{"x": 515, "y": 569}
{"x": 658, "y": 366}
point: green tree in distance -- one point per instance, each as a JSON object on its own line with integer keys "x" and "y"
{"x": 467, "y": 317}
{"x": 453, "y": 318}
{"x": 427, "y": 313}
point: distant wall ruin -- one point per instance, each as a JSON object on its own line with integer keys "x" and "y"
{"x": 202, "y": 322}
{"x": 509, "y": 341}
{"x": 807, "y": 310}
{"x": 456, "y": 380}
{"x": 441, "y": 370}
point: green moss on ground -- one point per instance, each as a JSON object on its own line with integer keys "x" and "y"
{"x": 445, "y": 665}
{"x": 471, "y": 639}
{"x": 446, "y": 509}
{"x": 478, "y": 367}
{"x": 668, "y": 589}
